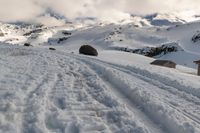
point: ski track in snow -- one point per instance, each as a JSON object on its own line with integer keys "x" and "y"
{"x": 180, "y": 102}
{"x": 44, "y": 91}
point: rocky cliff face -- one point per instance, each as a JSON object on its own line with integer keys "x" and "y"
{"x": 155, "y": 51}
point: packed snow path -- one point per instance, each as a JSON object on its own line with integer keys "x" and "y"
{"x": 45, "y": 91}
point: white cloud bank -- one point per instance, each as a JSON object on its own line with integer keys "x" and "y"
{"x": 22, "y": 10}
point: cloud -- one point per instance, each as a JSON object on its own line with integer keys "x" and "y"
{"x": 15, "y": 10}
{"x": 152, "y": 6}
{"x": 18, "y": 10}
{"x": 48, "y": 21}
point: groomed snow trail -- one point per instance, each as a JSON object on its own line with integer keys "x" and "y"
{"x": 44, "y": 91}
{"x": 175, "y": 109}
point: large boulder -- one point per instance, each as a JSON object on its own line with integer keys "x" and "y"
{"x": 1, "y": 34}
{"x": 164, "y": 63}
{"x": 27, "y": 44}
{"x": 52, "y": 49}
{"x": 88, "y": 50}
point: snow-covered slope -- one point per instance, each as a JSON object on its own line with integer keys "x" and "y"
{"x": 167, "y": 19}
{"x": 119, "y": 91}
{"x": 128, "y": 36}
{"x": 57, "y": 91}
{"x": 112, "y": 37}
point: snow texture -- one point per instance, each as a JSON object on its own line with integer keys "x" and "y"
{"x": 61, "y": 91}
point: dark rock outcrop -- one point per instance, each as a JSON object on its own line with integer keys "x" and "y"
{"x": 164, "y": 63}
{"x": 155, "y": 51}
{"x": 88, "y": 50}
{"x": 27, "y": 44}
{"x": 32, "y": 32}
{"x": 1, "y": 34}
{"x": 66, "y": 33}
{"x": 52, "y": 49}
{"x": 62, "y": 39}
{"x": 196, "y": 37}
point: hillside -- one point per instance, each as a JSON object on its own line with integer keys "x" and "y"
{"x": 118, "y": 91}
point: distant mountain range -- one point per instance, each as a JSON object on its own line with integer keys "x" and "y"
{"x": 156, "y": 19}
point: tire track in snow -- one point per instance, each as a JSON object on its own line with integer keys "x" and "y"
{"x": 14, "y": 88}
{"x": 35, "y": 106}
{"x": 192, "y": 101}
{"x": 173, "y": 91}
{"x": 101, "y": 89}
{"x": 146, "y": 76}
{"x": 35, "y": 102}
{"x": 185, "y": 114}
{"x": 68, "y": 98}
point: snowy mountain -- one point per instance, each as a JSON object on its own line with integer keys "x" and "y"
{"x": 58, "y": 90}
{"x": 164, "y": 19}
{"x": 131, "y": 36}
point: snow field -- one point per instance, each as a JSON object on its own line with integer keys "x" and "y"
{"x": 152, "y": 95}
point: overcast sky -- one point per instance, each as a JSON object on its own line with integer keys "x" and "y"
{"x": 12, "y": 10}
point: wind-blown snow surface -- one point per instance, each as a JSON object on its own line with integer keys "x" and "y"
{"x": 57, "y": 91}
